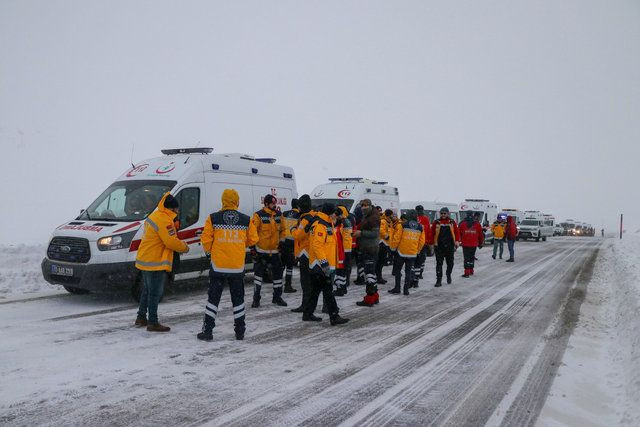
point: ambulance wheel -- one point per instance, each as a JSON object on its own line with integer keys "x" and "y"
{"x": 76, "y": 291}
{"x": 538, "y": 238}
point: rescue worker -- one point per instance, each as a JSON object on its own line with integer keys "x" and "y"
{"x": 290, "y": 219}
{"x": 471, "y": 237}
{"x": 322, "y": 263}
{"x": 445, "y": 238}
{"x": 421, "y": 259}
{"x": 512, "y": 235}
{"x": 407, "y": 242}
{"x": 498, "y": 229}
{"x": 368, "y": 236}
{"x": 357, "y": 215}
{"x": 300, "y": 234}
{"x": 344, "y": 242}
{"x": 226, "y": 235}
{"x": 155, "y": 259}
{"x": 268, "y": 222}
{"x": 349, "y": 245}
{"x": 386, "y": 230}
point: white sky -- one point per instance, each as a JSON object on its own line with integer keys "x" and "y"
{"x": 535, "y": 105}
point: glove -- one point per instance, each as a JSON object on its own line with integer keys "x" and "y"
{"x": 324, "y": 266}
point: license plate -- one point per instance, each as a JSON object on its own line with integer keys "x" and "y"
{"x": 61, "y": 271}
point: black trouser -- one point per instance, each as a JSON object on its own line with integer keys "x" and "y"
{"x": 236, "y": 287}
{"x": 273, "y": 262}
{"x": 305, "y": 280}
{"x": 288, "y": 259}
{"x": 418, "y": 267}
{"x": 383, "y": 253}
{"x": 442, "y": 254}
{"x": 469, "y": 256}
{"x": 369, "y": 258}
{"x": 321, "y": 283}
{"x": 348, "y": 267}
{"x": 408, "y": 270}
{"x": 359, "y": 266}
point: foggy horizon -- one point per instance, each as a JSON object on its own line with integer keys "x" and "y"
{"x": 533, "y": 106}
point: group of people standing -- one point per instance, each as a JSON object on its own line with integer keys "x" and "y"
{"x": 324, "y": 242}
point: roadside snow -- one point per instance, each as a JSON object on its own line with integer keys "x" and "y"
{"x": 20, "y": 271}
{"x": 598, "y": 382}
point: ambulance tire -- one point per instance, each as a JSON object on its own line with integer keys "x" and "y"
{"x": 76, "y": 291}
{"x": 538, "y": 238}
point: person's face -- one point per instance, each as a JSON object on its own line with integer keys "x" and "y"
{"x": 444, "y": 215}
{"x": 272, "y": 205}
{"x": 365, "y": 207}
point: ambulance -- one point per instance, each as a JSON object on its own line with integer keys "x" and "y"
{"x": 348, "y": 192}
{"x": 517, "y": 214}
{"x": 96, "y": 251}
{"x": 432, "y": 209}
{"x": 485, "y": 210}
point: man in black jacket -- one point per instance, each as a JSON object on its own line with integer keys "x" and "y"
{"x": 368, "y": 236}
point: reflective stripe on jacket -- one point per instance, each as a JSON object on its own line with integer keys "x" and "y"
{"x": 408, "y": 239}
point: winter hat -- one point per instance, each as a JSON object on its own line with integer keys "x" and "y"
{"x": 269, "y": 199}
{"x": 171, "y": 202}
{"x": 328, "y": 208}
{"x": 419, "y": 209}
{"x": 294, "y": 203}
{"x": 444, "y": 209}
{"x": 304, "y": 203}
{"x": 388, "y": 212}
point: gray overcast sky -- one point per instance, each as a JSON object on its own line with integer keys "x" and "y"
{"x": 535, "y": 104}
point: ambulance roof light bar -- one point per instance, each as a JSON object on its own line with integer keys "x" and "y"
{"x": 197, "y": 150}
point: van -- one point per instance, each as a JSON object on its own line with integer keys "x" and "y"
{"x": 432, "y": 209}
{"x": 97, "y": 250}
{"x": 348, "y": 192}
{"x": 485, "y": 210}
{"x": 517, "y": 214}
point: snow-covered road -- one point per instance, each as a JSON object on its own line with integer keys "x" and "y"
{"x": 483, "y": 350}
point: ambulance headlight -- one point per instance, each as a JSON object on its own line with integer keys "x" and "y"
{"x": 119, "y": 241}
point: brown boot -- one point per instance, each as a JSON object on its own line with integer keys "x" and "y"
{"x": 157, "y": 327}
{"x": 141, "y": 321}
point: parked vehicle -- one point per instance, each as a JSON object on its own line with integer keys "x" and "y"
{"x": 350, "y": 191}
{"x": 558, "y": 230}
{"x": 97, "y": 250}
{"x": 517, "y": 214}
{"x": 533, "y": 227}
{"x": 432, "y": 209}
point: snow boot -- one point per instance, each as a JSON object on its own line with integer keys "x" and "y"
{"x": 141, "y": 321}
{"x": 471, "y": 272}
{"x": 448, "y": 279}
{"x": 339, "y": 292}
{"x": 279, "y": 301}
{"x": 493, "y": 256}
{"x": 438, "y": 282}
{"x": 395, "y": 290}
{"x": 510, "y": 260}
{"x": 256, "y": 302}
{"x": 466, "y": 273}
{"x": 377, "y": 298}
{"x": 381, "y": 281}
{"x": 311, "y": 318}
{"x": 337, "y": 320}
{"x": 324, "y": 309}
{"x": 367, "y": 301}
{"x": 157, "y": 327}
{"x": 288, "y": 289}
{"x": 297, "y": 309}
{"x": 405, "y": 290}
{"x": 239, "y": 333}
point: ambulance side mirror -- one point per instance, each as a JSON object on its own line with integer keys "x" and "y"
{"x": 81, "y": 211}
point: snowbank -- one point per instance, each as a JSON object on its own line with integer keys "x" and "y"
{"x": 20, "y": 270}
{"x": 598, "y": 382}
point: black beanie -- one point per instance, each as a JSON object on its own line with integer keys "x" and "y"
{"x": 388, "y": 212}
{"x": 294, "y": 203}
{"x": 269, "y": 199}
{"x": 304, "y": 203}
{"x": 171, "y": 202}
{"x": 328, "y": 208}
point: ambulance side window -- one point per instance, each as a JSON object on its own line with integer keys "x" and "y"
{"x": 189, "y": 200}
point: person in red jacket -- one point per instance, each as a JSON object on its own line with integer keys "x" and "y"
{"x": 418, "y": 269}
{"x": 511, "y": 234}
{"x": 472, "y": 237}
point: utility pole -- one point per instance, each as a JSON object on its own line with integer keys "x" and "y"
{"x": 621, "y": 225}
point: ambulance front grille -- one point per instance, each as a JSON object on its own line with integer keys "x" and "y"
{"x": 69, "y": 249}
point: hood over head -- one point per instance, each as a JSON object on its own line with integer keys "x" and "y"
{"x": 230, "y": 199}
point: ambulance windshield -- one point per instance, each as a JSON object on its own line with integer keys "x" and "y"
{"x": 127, "y": 200}
{"x": 347, "y": 203}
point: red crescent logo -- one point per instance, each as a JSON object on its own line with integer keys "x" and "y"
{"x": 135, "y": 171}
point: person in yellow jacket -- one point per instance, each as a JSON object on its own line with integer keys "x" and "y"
{"x": 155, "y": 259}
{"x": 268, "y": 221}
{"x": 408, "y": 240}
{"x": 322, "y": 263}
{"x": 386, "y": 231}
{"x": 300, "y": 235}
{"x": 344, "y": 226}
{"x": 290, "y": 219}
{"x": 226, "y": 235}
{"x": 498, "y": 228}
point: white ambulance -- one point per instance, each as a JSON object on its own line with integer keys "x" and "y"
{"x": 350, "y": 191}
{"x": 485, "y": 210}
{"x": 432, "y": 209}
{"x": 97, "y": 250}
{"x": 517, "y": 214}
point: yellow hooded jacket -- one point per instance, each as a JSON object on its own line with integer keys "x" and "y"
{"x": 270, "y": 228}
{"x": 408, "y": 239}
{"x": 159, "y": 240}
{"x": 346, "y": 230}
{"x": 322, "y": 242}
{"x": 226, "y": 235}
{"x": 301, "y": 234}
{"x": 290, "y": 219}
{"x": 498, "y": 229}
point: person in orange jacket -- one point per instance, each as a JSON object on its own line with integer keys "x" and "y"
{"x": 226, "y": 235}
{"x": 421, "y": 259}
{"x": 290, "y": 219}
{"x": 322, "y": 263}
{"x": 268, "y": 221}
{"x": 300, "y": 235}
{"x": 406, "y": 244}
{"x": 344, "y": 229}
{"x": 471, "y": 237}
{"x": 155, "y": 259}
